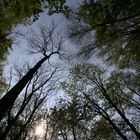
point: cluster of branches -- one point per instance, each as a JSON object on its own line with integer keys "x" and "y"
{"x": 20, "y": 105}
{"x": 95, "y": 108}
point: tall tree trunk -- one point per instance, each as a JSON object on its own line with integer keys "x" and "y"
{"x": 105, "y": 115}
{"x": 11, "y": 122}
{"x": 103, "y": 90}
{"x": 74, "y": 134}
{"x": 8, "y": 100}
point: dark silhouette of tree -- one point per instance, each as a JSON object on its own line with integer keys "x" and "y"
{"x": 105, "y": 97}
{"x": 112, "y": 30}
{"x": 14, "y": 13}
{"x": 35, "y": 84}
{"x": 47, "y": 47}
{"x": 96, "y": 78}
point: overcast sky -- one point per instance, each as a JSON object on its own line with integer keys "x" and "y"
{"x": 19, "y": 51}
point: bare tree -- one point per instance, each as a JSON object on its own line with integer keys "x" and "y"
{"x": 32, "y": 88}
{"x": 47, "y": 45}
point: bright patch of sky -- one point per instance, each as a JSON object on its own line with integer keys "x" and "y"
{"x": 20, "y": 49}
{"x": 19, "y": 52}
{"x": 19, "y": 55}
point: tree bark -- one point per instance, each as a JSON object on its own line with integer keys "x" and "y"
{"x": 8, "y": 100}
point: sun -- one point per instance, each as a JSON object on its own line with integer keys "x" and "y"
{"x": 39, "y": 130}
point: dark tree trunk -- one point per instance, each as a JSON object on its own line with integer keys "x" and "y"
{"x": 103, "y": 90}
{"x": 74, "y": 134}
{"x": 8, "y": 100}
{"x": 11, "y": 122}
{"x": 105, "y": 115}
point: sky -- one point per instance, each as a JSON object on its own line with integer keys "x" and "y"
{"x": 20, "y": 49}
{"x": 19, "y": 53}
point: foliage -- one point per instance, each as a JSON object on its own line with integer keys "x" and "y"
{"x": 70, "y": 118}
{"x": 18, "y": 11}
{"x": 98, "y": 105}
{"x": 102, "y": 130}
{"x": 13, "y": 13}
{"x": 115, "y": 30}
{"x": 98, "y": 100}
{"x": 110, "y": 30}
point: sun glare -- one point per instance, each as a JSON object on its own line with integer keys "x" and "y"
{"x": 39, "y": 130}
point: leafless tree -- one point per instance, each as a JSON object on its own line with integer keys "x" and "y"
{"x": 45, "y": 43}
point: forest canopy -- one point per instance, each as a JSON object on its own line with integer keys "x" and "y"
{"x": 91, "y": 100}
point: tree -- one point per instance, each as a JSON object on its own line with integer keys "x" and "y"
{"x": 48, "y": 47}
{"x": 106, "y": 97}
{"x": 94, "y": 75}
{"x": 69, "y": 118}
{"x": 33, "y": 94}
{"x": 17, "y": 12}
{"x": 13, "y": 13}
{"x": 102, "y": 130}
{"x": 112, "y": 28}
